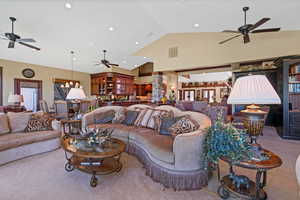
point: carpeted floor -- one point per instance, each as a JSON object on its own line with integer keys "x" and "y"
{"x": 43, "y": 177}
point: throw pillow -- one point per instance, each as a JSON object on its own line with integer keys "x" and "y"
{"x": 166, "y": 123}
{"x": 143, "y": 117}
{"x": 120, "y": 116}
{"x": 39, "y": 122}
{"x": 4, "y": 125}
{"x": 18, "y": 121}
{"x": 184, "y": 125}
{"x": 130, "y": 117}
{"x": 104, "y": 117}
{"x": 154, "y": 121}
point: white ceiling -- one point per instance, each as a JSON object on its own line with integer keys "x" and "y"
{"x": 85, "y": 27}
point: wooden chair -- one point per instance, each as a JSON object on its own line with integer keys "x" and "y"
{"x": 61, "y": 109}
{"x": 44, "y": 107}
{"x": 84, "y": 106}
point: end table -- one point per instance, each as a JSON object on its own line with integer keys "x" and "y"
{"x": 256, "y": 188}
{"x": 68, "y": 125}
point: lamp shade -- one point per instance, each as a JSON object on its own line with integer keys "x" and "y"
{"x": 253, "y": 89}
{"x": 76, "y": 93}
{"x": 14, "y": 98}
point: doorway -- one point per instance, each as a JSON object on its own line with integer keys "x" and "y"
{"x": 31, "y": 91}
{"x": 209, "y": 95}
{"x": 189, "y": 95}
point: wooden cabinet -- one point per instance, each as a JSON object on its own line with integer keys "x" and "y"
{"x": 111, "y": 83}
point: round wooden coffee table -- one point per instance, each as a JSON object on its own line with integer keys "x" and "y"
{"x": 94, "y": 160}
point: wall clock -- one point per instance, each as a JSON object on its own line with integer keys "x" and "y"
{"x": 28, "y": 73}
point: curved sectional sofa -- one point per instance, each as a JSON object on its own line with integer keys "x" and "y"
{"x": 174, "y": 162}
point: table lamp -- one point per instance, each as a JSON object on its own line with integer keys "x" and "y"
{"x": 15, "y": 99}
{"x": 76, "y": 94}
{"x": 253, "y": 90}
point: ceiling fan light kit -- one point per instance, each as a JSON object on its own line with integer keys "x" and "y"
{"x": 249, "y": 28}
{"x": 14, "y": 38}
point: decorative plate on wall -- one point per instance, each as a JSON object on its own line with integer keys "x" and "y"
{"x": 28, "y": 73}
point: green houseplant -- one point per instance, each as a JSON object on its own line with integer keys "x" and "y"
{"x": 225, "y": 140}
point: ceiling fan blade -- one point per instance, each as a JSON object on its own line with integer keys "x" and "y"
{"x": 259, "y": 23}
{"x": 30, "y": 46}
{"x": 107, "y": 65}
{"x": 230, "y": 31}
{"x": 2, "y": 36}
{"x": 11, "y": 44}
{"x": 246, "y": 38}
{"x": 266, "y": 30}
{"x": 26, "y": 40}
{"x": 222, "y": 42}
{"x": 113, "y": 64}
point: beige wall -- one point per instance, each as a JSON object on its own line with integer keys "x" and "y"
{"x": 12, "y": 70}
{"x": 202, "y": 49}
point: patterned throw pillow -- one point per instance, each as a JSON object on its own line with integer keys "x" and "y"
{"x": 104, "y": 117}
{"x": 184, "y": 125}
{"x": 130, "y": 117}
{"x": 120, "y": 116}
{"x": 155, "y": 121}
{"x": 143, "y": 117}
{"x": 148, "y": 118}
{"x": 39, "y": 122}
{"x": 166, "y": 123}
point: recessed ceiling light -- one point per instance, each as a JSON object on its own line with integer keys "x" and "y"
{"x": 145, "y": 57}
{"x": 124, "y": 61}
{"x": 136, "y": 42}
{"x": 74, "y": 59}
{"x": 68, "y": 5}
{"x": 196, "y": 25}
{"x": 111, "y": 28}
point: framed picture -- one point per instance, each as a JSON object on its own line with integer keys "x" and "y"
{"x": 28, "y": 73}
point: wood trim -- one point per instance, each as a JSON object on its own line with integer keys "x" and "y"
{"x": 1, "y": 86}
{"x": 203, "y": 68}
{"x": 58, "y": 80}
{"x": 17, "y": 88}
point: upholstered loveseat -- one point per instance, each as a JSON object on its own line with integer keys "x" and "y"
{"x": 174, "y": 162}
{"x": 15, "y": 143}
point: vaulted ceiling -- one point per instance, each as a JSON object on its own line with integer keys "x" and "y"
{"x": 86, "y": 27}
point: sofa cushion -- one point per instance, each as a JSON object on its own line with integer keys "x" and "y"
{"x": 4, "y": 125}
{"x": 13, "y": 140}
{"x": 104, "y": 117}
{"x": 130, "y": 117}
{"x": 18, "y": 121}
{"x": 184, "y": 125}
{"x": 159, "y": 146}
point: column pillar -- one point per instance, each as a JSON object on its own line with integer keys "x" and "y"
{"x": 157, "y": 86}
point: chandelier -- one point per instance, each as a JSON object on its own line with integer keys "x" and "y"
{"x": 70, "y": 84}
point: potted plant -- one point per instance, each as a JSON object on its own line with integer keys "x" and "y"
{"x": 225, "y": 141}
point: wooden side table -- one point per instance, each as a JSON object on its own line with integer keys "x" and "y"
{"x": 68, "y": 125}
{"x": 256, "y": 189}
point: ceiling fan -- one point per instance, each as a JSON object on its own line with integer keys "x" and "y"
{"x": 106, "y": 62}
{"x": 249, "y": 28}
{"x": 13, "y": 38}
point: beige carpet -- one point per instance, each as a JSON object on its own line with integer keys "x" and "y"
{"x": 43, "y": 177}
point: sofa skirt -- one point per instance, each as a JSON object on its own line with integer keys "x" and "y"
{"x": 178, "y": 180}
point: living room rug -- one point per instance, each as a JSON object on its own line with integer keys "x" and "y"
{"x": 44, "y": 177}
